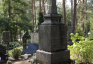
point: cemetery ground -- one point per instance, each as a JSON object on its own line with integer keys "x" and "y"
{"x": 22, "y": 61}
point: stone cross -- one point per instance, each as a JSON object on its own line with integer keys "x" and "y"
{"x": 52, "y": 7}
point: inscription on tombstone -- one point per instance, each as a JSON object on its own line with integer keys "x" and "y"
{"x": 6, "y": 36}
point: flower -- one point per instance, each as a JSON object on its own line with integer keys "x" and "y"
{"x": 9, "y": 62}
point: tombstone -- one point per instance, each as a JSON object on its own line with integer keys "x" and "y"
{"x": 24, "y": 39}
{"x": 6, "y": 37}
{"x": 69, "y": 42}
{"x": 34, "y": 38}
{"x": 52, "y": 38}
{"x": 3, "y": 55}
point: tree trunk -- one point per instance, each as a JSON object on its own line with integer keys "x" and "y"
{"x": 43, "y": 7}
{"x": 32, "y": 16}
{"x": 35, "y": 15}
{"x": 40, "y": 4}
{"x": 82, "y": 17}
{"x": 72, "y": 18}
{"x": 20, "y": 35}
{"x": 64, "y": 12}
{"x": 86, "y": 20}
{"x": 76, "y": 18}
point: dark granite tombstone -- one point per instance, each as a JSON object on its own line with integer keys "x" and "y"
{"x": 3, "y": 54}
{"x": 52, "y": 38}
{"x": 6, "y": 36}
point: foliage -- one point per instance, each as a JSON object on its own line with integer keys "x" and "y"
{"x": 14, "y": 16}
{"x": 9, "y": 62}
{"x": 91, "y": 28}
{"x": 16, "y": 53}
{"x": 3, "y": 44}
{"x": 82, "y": 49}
{"x": 10, "y": 51}
{"x": 14, "y": 44}
{"x": 68, "y": 13}
{"x": 80, "y": 31}
{"x": 40, "y": 18}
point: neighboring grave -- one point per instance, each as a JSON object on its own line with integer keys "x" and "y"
{"x": 53, "y": 38}
{"x": 3, "y": 55}
{"x": 35, "y": 38}
{"x": 6, "y": 37}
{"x": 24, "y": 39}
{"x": 69, "y": 42}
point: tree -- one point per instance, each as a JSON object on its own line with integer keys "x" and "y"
{"x": 64, "y": 12}
{"x": 40, "y": 18}
{"x": 67, "y": 11}
{"x": 15, "y": 16}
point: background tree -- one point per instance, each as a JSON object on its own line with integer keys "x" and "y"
{"x": 15, "y": 16}
{"x": 40, "y": 18}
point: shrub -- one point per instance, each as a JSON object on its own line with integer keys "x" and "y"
{"x": 14, "y": 44}
{"x": 10, "y": 51}
{"x": 80, "y": 31}
{"x": 82, "y": 50}
{"x": 16, "y": 53}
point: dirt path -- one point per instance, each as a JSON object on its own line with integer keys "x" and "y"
{"x": 22, "y": 62}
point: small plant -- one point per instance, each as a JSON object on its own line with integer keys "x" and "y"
{"x": 16, "y": 53}
{"x": 9, "y": 62}
{"x": 81, "y": 50}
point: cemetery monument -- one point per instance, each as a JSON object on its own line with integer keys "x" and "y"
{"x": 52, "y": 38}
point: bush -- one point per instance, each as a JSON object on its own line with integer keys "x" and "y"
{"x": 82, "y": 50}
{"x": 80, "y": 31}
{"x": 16, "y": 53}
{"x": 13, "y": 45}
{"x": 10, "y": 51}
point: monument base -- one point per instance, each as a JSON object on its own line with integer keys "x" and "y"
{"x": 53, "y": 57}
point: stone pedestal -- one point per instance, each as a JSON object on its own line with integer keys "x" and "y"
{"x": 53, "y": 57}
{"x": 52, "y": 41}
{"x": 52, "y": 37}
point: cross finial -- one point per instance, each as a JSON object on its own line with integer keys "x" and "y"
{"x": 52, "y": 7}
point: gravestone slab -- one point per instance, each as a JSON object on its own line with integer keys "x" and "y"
{"x": 35, "y": 38}
{"x": 52, "y": 57}
{"x": 6, "y": 36}
{"x": 3, "y": 49}
{"x": 69, "y": 42}
{"x": 68, "y": 33}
